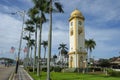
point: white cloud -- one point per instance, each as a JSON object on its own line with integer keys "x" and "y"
{"x": 29, "y": 2}
{"x": 95, "y": 11}
{"x": 8, "y": 9}
{"x": 105, "y": 40}
{"x": 103, "y": 10}
{"x": 10, "y": 29}
{"x": 102, "y": 34}
{"x": 59, "y": 35}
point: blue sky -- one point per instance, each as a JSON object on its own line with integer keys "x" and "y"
{"x": 102, "y": 23}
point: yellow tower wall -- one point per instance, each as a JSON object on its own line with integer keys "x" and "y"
{"x": 77, "y": 53}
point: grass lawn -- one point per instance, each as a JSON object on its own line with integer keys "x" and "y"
{"x": 73, "y": 76}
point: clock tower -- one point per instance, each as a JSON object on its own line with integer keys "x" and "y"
{"x": 77, "y": 53}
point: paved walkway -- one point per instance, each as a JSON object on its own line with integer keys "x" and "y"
{"x": 22, "y": 75}
{"x": 5, "y": 72}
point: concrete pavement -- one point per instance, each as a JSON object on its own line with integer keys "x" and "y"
{"x": 5, "y": 72}
{"x": 22, "y": 75}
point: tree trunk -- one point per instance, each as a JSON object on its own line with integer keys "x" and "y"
{"x": 34, "y": 62}
{"x": 39, "y": 50}
{"x": 44, "y": 52}
{"x": 31, "y": 57}
{"x": 49, "y": 43}
{"x": 27, "y": 56}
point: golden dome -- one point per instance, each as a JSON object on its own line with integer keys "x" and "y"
{"x": 76, "y": 13}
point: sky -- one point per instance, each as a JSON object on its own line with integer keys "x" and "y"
{"x": 102, "y": 23}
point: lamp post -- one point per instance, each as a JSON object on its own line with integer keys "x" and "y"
{"x": 22, "y": 13}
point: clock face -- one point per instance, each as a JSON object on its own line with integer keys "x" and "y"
{"x": 79, "y": 23}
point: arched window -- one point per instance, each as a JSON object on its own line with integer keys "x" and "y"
{"x": 79, "y": 23}
{"x": 81, "y": 58}
{"x": 71, "y": 62}
{"x": 71, "y": 58}
{"x": 71, "y": 32}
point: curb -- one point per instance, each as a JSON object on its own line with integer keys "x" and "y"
{"x": 28, "y": 75}
{"x": 11, "y": 76}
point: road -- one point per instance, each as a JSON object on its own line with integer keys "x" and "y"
{"x": 5, "y": 72}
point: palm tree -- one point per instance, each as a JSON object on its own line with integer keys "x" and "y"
{"x": 40, "y": 5}
{"x": 63, "y": 48}
{"x": 66, "y": 57}
{"x": 27, "y": 56}
{"x": 46, "y": 6}
{"x": 35, "y": 20}
{"x": 45, "y": 44}
{"x": 63, "y": 51}
{"x": 54, "y": 57}
{"x": 87, "y": 44}
{"x": 30, "y": 29}
{"x": 90, "y": 45}
{"x": 51, "y": 9}
{"x": 56, "y": 8}
{"x": 31, "y": 44}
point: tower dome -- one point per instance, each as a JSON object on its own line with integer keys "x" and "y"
{"x": 76, "y": 13}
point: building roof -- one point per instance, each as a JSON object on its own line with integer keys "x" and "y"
{"x": 76, "y": 13}
{"x": 117, "y": 61}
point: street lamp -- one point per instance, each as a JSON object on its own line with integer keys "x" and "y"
{"x": 22, "y": 13}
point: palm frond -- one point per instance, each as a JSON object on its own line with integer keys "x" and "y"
{"x": 59, "y": 7}
{"x": 29, "y": 28}
{"x": 33, "y": 12}
{"x": 26, "y": 38}
{"x": 43, "y": 18}
{"x": 30, "y": 22}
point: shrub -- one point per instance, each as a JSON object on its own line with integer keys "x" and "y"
{"x": 114, "y": 73}
{"x": 97, "y": 69}
{"x": 57, "y": 69}
{"x": 35, "y": 69}
{"x": 51, "y": 69}
{"x": 30, "y": 69}
{"x": 45, "y": 69}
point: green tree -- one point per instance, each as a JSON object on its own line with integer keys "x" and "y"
{"x": 63, "y": 51}
{"x": 30, "y": 29}
{"x": 28, "y": 49}
{"x": 34, "y": 19}
{"x": 46, "y": 6}
{"x": 54, "y": 58}
{"x": 31, "y": 44}
{"x": 104, "y": 63}
{"x": 59, "y": 9}
{"x": 45, "y": 44}
{"x": 40, "y": 5}
{"x": 90, "y": 45}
